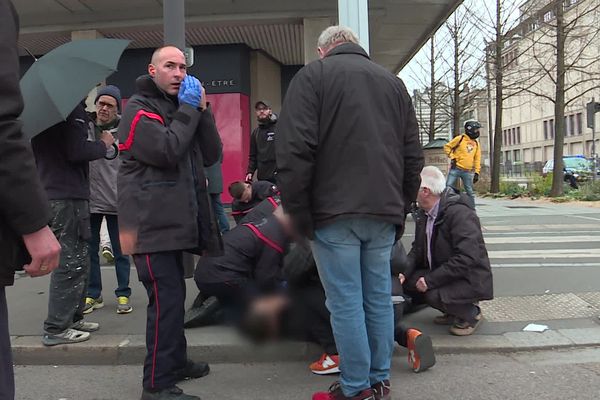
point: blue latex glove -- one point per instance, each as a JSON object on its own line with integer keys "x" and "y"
{"x": 190, "y": 91}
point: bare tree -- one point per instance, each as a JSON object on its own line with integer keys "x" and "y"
{"x": 465, "y": 61}
{"x": 432, "y": 100}
{"x": 500, "y": 25}
{"x": 561, "y": 68}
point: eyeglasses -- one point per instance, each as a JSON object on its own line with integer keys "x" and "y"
{"x": 102, "y": 104}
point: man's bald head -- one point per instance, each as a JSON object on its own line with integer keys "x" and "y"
{"x": 167, "y": 68}
{"x": 165, "y": 50}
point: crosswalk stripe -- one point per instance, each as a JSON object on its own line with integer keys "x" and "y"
{"x": 541, "y": 239}
{"x": 546, "y": 253}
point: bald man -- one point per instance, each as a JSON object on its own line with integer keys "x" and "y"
{"x": 167, "y": 135}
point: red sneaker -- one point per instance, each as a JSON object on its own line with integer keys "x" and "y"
{"x": 382, "y": 390}
{"x": 327, "y": 364}
{"x": 335, "y": 393}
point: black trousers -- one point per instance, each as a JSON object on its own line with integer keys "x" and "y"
{"x": 464, "y": 311}
{"x": 162, "y": 276}
{"x": 71, "y": 225}
{"x": 308, "y": 318}
{"x": 7, "y": 379}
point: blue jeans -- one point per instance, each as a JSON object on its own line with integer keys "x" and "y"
{"x": 467, "y": 180}
{"x": 122, "y": 265}
{"x": 217, "y": 206}
{"x": 353, "y": 259}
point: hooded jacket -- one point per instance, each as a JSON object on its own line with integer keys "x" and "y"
{"x": 458, "y": 252}
{"x": 347, "y": 142}
{"x": 466, "y": 152}
{"x": 23, "y": 204}
{"x": 163, "y": 201}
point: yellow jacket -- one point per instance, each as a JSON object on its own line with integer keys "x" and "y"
{"x": 467, "y": 153}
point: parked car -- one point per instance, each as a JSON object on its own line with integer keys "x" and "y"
{"x": 579, "y": 166}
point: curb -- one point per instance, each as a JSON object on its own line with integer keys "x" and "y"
{"x": 225, "y": 346}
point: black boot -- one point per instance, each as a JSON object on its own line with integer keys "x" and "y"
{"x": 173, "y": 393}
{"x": 203, "y": 315}
{"x": 192, "y": 370}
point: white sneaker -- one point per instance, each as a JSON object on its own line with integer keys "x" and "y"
{"x": 69, "y": 336}
{"x": 85, "y": 326}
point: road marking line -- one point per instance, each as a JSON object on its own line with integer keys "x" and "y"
{"x": 541, "y": 239}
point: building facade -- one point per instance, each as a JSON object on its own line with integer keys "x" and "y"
{"x": 530, "y": 65}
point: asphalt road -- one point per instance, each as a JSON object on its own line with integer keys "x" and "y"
{"x": 573, "y": 375}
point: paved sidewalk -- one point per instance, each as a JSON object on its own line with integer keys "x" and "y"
{"x": 546, "y": 271}
{"x": 572, "y": 319}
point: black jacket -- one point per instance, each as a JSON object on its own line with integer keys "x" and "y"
{"x": 262, "y": 151}
{"x": 262, "y": 210}
{"x": 261, "y": 190}
{"x": 347, "y": 142}
{"x": 63, "y": 152}
{"x": 163, "y": 201}
{"x": 458, "y": 253}
{"x": 23, "y": 204}
{"x": 253, "y": 251}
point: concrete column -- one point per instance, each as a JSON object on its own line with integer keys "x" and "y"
{"x": 174, "y": 23}
{"x": 355, "y": 15}
{"x": 265, "y": 83}
{"x": 312, "y": 29}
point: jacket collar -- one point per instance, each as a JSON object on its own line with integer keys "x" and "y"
{"x": 348, "y": 48}
{"x": 450, "y": 197}
{"x": 147, "y": 87}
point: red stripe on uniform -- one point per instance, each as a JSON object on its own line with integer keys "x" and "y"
{"x": 265, "y": 239}
{"x": 273, "y": 202}
{"x": 136, "y": 119}
{"x": 157, "y": 318}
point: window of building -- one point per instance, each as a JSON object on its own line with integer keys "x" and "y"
{"x": 572, "y": 127}
{"x": 579, "y": 118}
{"x": 552, "y": 129}
{"x": 566, "y": 130}
{"x": 517, "y": 155}
{"x": 546, "y": 130}
{"x": 519, "y": 135}
{"x": 548, "y": 16}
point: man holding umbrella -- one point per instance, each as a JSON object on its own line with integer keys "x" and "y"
{"x": 63, "y": 153}
{"x": 167, "y": 135}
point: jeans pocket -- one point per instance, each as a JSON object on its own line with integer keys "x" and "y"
{"x": 336, "y": 233}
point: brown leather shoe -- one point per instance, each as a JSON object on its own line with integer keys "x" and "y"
{"x": 464, "y": 328}
{"x": 444, "y": 319}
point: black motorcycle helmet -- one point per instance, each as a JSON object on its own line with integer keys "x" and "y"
{"x": 472, "y": 129}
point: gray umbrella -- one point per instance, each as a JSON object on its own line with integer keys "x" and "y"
{"x": 59, "y": 80}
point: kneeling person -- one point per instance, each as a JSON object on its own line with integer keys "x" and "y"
{"x": 251, "y": 266}
{"x": 450, "y": 269}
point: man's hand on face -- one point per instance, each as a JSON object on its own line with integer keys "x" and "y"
{"x": 249, "y": 177}
{"x": 421, "y": 285}
{"x": 107, "y": 138}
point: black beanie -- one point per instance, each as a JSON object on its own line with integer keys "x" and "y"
{"x": 111, "y": 91}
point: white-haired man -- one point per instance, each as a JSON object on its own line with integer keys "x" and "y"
{"x": 348, "y": 162}
{"x": 449, "y": 267}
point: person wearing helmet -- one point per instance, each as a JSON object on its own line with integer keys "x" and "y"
{"x": 464, "y": 153}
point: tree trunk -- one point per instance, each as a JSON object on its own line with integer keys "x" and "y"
{"x": 432, "y": 94}
{"x": 456, "y": 92}
{"x": 559, "y": 105}
{"x": 497, "y": 151}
